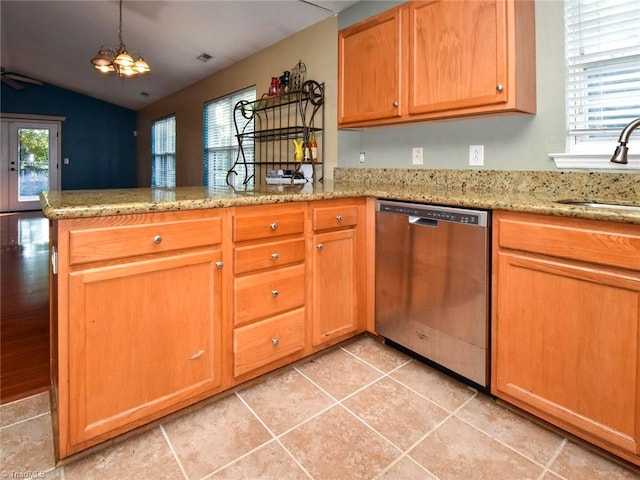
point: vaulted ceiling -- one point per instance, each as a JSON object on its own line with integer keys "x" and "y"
{"x": 55, "y": 40}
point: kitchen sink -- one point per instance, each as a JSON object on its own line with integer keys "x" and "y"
{"x": 600, "y": 204}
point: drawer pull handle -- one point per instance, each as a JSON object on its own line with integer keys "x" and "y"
{"x": 274, "y": 226}
{"x": 275, "y": 293}
{"x": 219, "y": 265}
{"x": 196, "y": 355}
{"x": 319, "y": 246}
{"x": 339, "y": 218}
{"x": 499, "y": 87}
{"x": 275, "y": 256}
{"x": 157, "y": 239}
{"x": 275, "y": 341}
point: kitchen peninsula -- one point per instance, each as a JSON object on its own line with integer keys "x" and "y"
{"x": 163, "y": 298}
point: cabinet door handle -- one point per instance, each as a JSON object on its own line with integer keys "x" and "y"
{"x": 274, "y": 226}
{"x": 275, "y": 293}
{"x": 499, "y": 87}
{"x": 339, "y": 218}
{"x": 395, "y": 104}
{"x": 157, "y": 239}
{"x": 198, "y": 354}
{"x": 219, "y": 265}
{"x": 319, "y": 246}
{"x": 275, "y": 256}
{"x": 275, "y": 341}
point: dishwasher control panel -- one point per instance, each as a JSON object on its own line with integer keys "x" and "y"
{"x": 455, "y": 215}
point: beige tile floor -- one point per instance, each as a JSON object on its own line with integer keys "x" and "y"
{"x": 359, "y": 411}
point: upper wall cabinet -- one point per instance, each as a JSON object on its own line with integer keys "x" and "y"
{"x": 430, "y": 60}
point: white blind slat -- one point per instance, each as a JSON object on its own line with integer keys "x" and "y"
{"x": 602, "y": 48}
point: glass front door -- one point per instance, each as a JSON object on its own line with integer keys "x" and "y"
{"x": 30, "y": 163}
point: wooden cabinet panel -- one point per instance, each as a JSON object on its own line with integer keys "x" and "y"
{"x": 266, "y": 341}
{"x": 263, "y": 294}
{"x": 335, "y": 217}
{"x": 105, "y": 241}
{"x": 369, "y": 69}
{"x": 143, "y": 337}
{"x": 458, "y": 52}
{"x": 596, "y": 242}
{"x": 268, "y": 255}
{"x": 267, "y": 223}
{"x": 335, "y": 303}
{"x": 566, "y": 327}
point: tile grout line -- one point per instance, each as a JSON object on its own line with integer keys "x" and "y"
{"x": 547, "y": 467}
{"x": 24, "y": 420}
{"x": 506, "y": 445}
{"x": 173, "y": 452}
{"x": 274, "y": 438}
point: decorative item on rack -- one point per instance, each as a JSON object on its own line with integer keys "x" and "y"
{"x": 298, "y": 76}
{"x": 118, "y": 60}
{"x": 274, "y": 88}
{"x": 284, "y": 82}
{"x": 297, "y": 153}
{"x": 313, "y": 146}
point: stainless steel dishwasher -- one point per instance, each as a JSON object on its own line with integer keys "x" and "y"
{"x": 432, "y": 284}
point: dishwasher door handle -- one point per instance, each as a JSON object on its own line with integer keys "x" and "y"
{"x": 425, "y": 222}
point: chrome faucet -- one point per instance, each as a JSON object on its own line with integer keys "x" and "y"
{"x": 620, "y": 155}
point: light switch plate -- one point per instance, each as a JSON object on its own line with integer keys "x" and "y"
{"x": 416, "y": 156}
{"x": 476, "y": 155}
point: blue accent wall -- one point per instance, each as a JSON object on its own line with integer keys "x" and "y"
{"x": 96, "y": 136}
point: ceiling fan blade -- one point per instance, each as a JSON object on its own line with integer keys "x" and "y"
{"x": 21, "y": 78}
{"x": 11, "y": 83}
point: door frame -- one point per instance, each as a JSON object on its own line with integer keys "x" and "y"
{"x": 7, "y": 142}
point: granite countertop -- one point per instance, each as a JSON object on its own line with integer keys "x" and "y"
{"x": 534, "y": 192}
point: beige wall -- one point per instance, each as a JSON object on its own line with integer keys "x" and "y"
{"x": 316, "y": 46}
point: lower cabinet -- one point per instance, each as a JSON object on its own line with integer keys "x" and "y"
{"x": 155, "y": 312}
{"x": 269, "y": 294}
{"x": 143, "y": 336}
{"x": 566, "y": 325}
{"x": 137, "y": 329}
{"x": 338, "y": 266}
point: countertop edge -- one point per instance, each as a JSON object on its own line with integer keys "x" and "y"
{"x": 520, "y": 202}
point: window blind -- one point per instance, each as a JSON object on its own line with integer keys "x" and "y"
{"x": 220, "y": 143}
{"x": 603, "y": 69}
{"x": 163, "y": 152}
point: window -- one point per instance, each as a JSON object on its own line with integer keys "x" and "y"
{"x": 163, "y": 152}
{"x": 220, "y": 145}
{"x": 603, "y": 71}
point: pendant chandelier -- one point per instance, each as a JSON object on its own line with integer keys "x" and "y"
{"x": 118, "y": 60}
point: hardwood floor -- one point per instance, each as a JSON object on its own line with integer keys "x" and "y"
{"x": 24, "y": 305}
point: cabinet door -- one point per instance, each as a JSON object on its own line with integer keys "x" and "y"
{"x": 457, "y": 54}
{"x": 369, "y": 69}
{"x": 144, "y": 339}
{"x": 335, "y": 305}
{"x": 566, "y": 345}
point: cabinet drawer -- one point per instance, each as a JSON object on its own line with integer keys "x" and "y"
{"x": 267, "y": 255}
{"x": 265, "y": 294}
{"x": 606, "y": 243}
{"x": 263, "y": 342}
{"x": 335, "y": 217}
{"x": 268, "y": 224}
{"x": 111, "y": 242}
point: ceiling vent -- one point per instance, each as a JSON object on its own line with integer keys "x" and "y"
{"x": 204, "y": 57}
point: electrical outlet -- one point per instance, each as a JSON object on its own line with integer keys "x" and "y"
{"x": 416, "y": 156}
{"x": 361, "y": 158}
{"x": 476, "y": 155}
